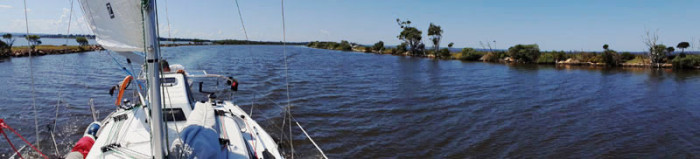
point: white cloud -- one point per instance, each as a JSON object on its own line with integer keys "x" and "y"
{"x": 5, "y": 6}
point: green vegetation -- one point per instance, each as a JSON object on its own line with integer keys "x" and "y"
{"x": 659, "y": 55}
{"x": 435, "y": 34}
{"x": 411, "y": 36}
{"x": 524, "y": 53}
{"x": 610, "y": 57}
{"x": 5, "y": 49}
{"x": 401, "y": 48}
{"x": 82, "y": 41}
{"x": 343, "y": 45}
{"x": 378, "y": 47}
{"x": 470, "y": 54}
{"x": 9, "y": 40}
{"x": 626, "y": 56}
{"x": 683, "y": 46}
{"x": 34, "y": 40}
{"x": 689, "y": 61}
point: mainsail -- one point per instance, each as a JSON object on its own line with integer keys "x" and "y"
{"x": 117, "y": 25}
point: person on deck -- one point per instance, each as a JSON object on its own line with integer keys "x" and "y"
{"x": 164, "y": 64}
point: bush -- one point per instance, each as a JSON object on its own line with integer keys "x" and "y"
{"x": 626, "y": 56}
{"x": 689, "y": 61}
{"x": 82, "y": 41}
{"x": 378, "y": 46}
{"x": 444, "y": 53}
{"x": 559, "y": 55}
{"x": 494, "y": 56}
{"x": 344, "y": 46}
{"x": 524, "y": 53}
{"x": 400, "y": 49}
{"x": 4, "y": 49}
{"x": 610, "y": 58}
{"x": 368, "y": 49}
{"x": 470, "y": 54}
{"x": 546, "y": 58}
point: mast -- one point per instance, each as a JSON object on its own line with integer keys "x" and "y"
{"x": 152, "y": 43}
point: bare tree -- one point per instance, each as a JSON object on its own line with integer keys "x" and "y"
{"x": 651, "y": 39}
{"x": 487, "y": 45}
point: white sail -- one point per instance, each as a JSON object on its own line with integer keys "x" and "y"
{"x": 117, "y": 25}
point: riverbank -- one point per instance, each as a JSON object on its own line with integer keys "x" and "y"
{"x": 609, "y": 58}
{"x": 21, "y": 51}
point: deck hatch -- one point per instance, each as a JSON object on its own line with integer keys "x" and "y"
{"x": 174, "y": 114}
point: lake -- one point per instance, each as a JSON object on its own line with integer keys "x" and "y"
{"x": 358, "y": 105}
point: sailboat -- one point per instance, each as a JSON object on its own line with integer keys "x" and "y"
{"x": 165, "y": 121}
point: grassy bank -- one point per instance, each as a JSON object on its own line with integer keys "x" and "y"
{"x": 20, "y": 51}
{"x": 530, "y": 54}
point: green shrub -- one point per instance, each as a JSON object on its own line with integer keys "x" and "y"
{"x": 546, "y": 58}
{"x": 470, "y": 54}
{"x": 82, "y": 41}
{"x": 444, "y": 53}
{"x": 401, "y": 48}
{"x": 524, "y": 53}
{"x": 378, "y": 46}
{"x": 610, "y": 57}
{"x": 494, "y": 56}
{"x": 367, "y": 49}
{"x": 689, "y": 61}
{"x": 626, "y": 56}
{"x": 344, "y": 46}
{"x": 4, "y": 49}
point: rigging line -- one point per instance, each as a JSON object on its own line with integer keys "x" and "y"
{"x": 60, "y": 87}
{"x": 167, "y": 92}
{"x": 126, "y": 71}
{"x": 70, "y": 18}
{"x": 167, "y": 18}
{"x": 31, "y": 74}
{"x": 286, "y": 79}
{"x": 240, "y": 16}
{"x": 312, "y": 140}
{"x": 250, "y": 48}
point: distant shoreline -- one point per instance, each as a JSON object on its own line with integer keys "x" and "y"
{"x": 40, "y": 50}
{"x": 638, "y": 60}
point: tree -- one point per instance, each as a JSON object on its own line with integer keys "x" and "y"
{"x": 450, "y": 45}
{"x": 82, "y": 41}
{"x": 4, "y": 49}
{"x": 486, "y": 46}
{"x": 682, "y": 46}
{"x": 34, "y": 40}
{"x": 656, "y": 54}
{"x": 8, "y": 39}
{"x": 344, "y": 45}
{"x": 524, "y": 53}
{"x": 670, "y": 50}
{"x": 401, "y": 48}
{"x": 411, "y": 36}
{"x": 610, "y": 57}
{"x": 435, "y": 33}
{"x": 379, "y": 46}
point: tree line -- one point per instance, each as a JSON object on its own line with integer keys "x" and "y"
{"x": 411, "y": 38}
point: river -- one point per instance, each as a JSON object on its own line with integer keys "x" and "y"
{"x": 358, "y": 105}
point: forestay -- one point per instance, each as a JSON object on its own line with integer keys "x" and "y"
{"x": 117, "y": 25}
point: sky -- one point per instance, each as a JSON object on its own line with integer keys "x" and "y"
{"x": 552, "y": 24}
